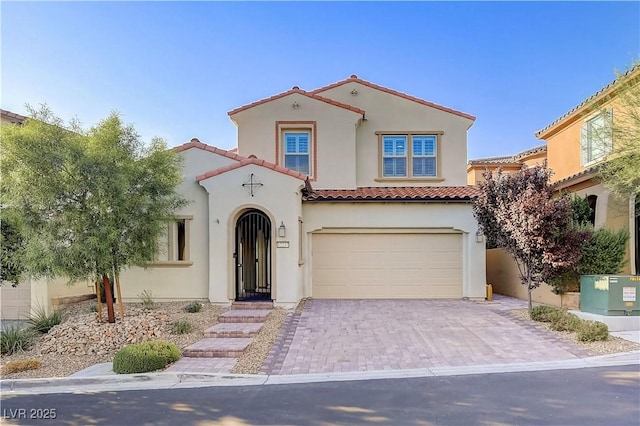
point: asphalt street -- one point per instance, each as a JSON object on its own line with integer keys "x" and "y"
{"x": 587, "y": 396}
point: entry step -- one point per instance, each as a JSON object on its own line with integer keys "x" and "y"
{"x": 252, "y": 305}
{"x": 244, "y": 315}
{"x": 217, "y": 348}
{"x": 234, "y": 329}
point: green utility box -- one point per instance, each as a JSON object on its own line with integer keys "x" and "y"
{"x": 610, "y": 294}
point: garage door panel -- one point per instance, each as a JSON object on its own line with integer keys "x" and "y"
{"x": 387, "y": 266}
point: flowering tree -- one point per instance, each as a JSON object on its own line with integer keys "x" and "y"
{"x": 520, "y": 214}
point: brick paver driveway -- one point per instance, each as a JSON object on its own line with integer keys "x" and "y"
{"x": 367, "y": 335}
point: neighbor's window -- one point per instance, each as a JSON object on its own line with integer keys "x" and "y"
{"x": 297, "y": 151}
{"x": 596, "y": 138}
{"x": 410, "y": 155}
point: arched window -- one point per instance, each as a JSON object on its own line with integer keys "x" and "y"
{"x": 593, "y": 201}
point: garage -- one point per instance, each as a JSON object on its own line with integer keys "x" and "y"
{"x": 15, "y": 301}
{"x": 386, "y": 266}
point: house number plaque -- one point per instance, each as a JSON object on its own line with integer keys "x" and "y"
{"x": 282, "y": 244}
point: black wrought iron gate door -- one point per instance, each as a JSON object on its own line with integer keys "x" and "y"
{"x": 253, "y": 256}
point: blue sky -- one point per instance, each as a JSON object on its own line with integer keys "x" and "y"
{"x": 175, "y": 69}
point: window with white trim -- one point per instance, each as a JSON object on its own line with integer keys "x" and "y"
{"x": 596, "y": 137}
{"x": 297, "y": 151}
{"x": 409, "y": 155}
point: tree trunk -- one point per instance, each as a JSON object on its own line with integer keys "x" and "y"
{"x": 530, "y": 303}
{"x": 107, "y": 294}
{"x": 98, "y": 291}
{"x": 120, "y": 304}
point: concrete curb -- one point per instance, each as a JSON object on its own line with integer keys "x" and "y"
{"x": 192, "y": 380}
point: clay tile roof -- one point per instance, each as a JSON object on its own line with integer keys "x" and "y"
{"x": 248, "y": 161}
{"x": 12, "y": 116}
{"x": 509, "y": 159}
{"x": 577, "y": 177}
{"x": 632, "y": 73}
{"x": 354, "y": 78}
{"x": 297, "y": 90}
{"x": 402, "y": 193}
{"x": 195, "y": 143}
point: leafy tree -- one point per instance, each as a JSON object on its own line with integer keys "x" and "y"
{"x": 91, "y": 203}
{"x": 520, "y": 213}
{"x": 621, "y": 172}
{"x": 10, "y": 248}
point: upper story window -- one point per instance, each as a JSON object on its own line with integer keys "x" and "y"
{"x": 296, "y": 146}
{"x": 596, "y": 137}
{"x": 296, "y": 151}
{"x": 409, "y": 155}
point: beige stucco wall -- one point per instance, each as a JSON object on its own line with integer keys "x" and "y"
{"x": 384, "y": 112}
{"x": 279, "y": 198}
{"x": 503, "y": 275}
{"x": 335, "y": 128}
{"x": 189, "y": 281}
{"x": 402, "y": 217}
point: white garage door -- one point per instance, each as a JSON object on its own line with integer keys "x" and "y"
{"x": 387, "y": 266}
{"x": 15, "y": 302}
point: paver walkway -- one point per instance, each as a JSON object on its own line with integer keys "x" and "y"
{"x": 226, "y": 341}
{"x": 360, "y": 335}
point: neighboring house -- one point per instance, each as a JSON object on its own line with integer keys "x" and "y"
{"x": 573, "y": 153}
{"x": 352, "y": 190}
{"x": 575, "y": 147}
{"x": 508, "y": 164}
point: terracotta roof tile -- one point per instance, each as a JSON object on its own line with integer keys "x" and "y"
{"x": 510, "y": 159}
{"x": 297, "y": 90}
{"x": 195, "y": 143}
{"x": 12, "y": 116}
{"x": 248, "y": 161}
{"x": 583, "y": 175}
{"x": 401, "y": 193}
{"x": 354, "y": 78}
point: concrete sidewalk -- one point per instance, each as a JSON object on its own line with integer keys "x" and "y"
{"x": 123, "y": 382}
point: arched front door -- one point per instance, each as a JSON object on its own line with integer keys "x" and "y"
{"x": 253, "y": 256}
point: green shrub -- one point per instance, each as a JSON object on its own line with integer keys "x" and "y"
{"x": 604, "y": 252}
{"x": 592, "y": 331}
{"x": 15, "y": 338}
{"x": 41, "y": 322}
{"x": 543, "y": 313}
{"x": 181, "y": 327}
{"x": 193, "y": 307}
{"x": 564, "y": 321}
{"x": 147, "y": 299}
{"x": 144, "y": 357}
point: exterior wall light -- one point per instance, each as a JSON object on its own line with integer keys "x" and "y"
{"x": 479, "y": 236}
{"x": 282, "y": 230}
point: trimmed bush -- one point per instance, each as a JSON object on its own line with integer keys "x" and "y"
{"x": 41, "y": 322}
{"x": 14, "y": 339}
{"x": 21, "y": 365}
{"x": 564, "y": 321}
{"x": 543, "y": 313}
{"x": 144, "y": 357}
{"x": 593, "y": 331}
{"x": 181, "y": 327}
{"x": 193, "y": 307}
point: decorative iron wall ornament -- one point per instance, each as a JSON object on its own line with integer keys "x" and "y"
{"x": 252, "y": 183}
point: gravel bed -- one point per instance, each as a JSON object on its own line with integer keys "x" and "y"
{"x": 80, "y": 341}
{"x": 610, "y": 346}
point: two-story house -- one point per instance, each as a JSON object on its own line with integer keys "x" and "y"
{"x": 352, "y": 190}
